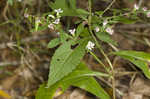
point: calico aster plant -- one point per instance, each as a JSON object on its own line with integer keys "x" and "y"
{"x": 67, "y": 67}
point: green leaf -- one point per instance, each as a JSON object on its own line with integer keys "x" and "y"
{"x": 140, "y": 64}
{"x": 96, "y": 20}
{"x": 105, "y": 37}
{"x": 58, "y": 4}
{"x": 53, "y": 43}
{"x": 65, "y": 60}
{"x": 85, "y": 33}
{"x": 38, "y": 28}
{"x": 80, "y": 29}
{"x": 63, "y": 36}
{"x": 135, "y": 54}
{"x": 46, "y": 93}
{"x": 91, "y": 85}
{"x": 72, "y": 4}
{"x": 63, "y": 4}
{"x": 79, "y": 78}
{"x": 140, "y": 59}
{"x": 82, "y": 12}
{"x": 99, "y": 13}
{"x": 125, "y": 20}
{"x": 83, "y": 73}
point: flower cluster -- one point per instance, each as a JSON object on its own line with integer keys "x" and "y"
{"x": 147, "y": 12}
{"x": 51, "y": 20}
{"x": 108, "y": 29}
{"x": 144, "y": 8}
{"x": 55, "y": 19}
{"x": 136, "y": 7}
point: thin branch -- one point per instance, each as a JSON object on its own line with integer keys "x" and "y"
{"x": 26, "y": 40}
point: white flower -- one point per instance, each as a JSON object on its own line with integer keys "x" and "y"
{"x": 110, "y": 30}
{"x": 58, "y": 11}
{"x": 105, "y": 22}
{"x": 26, "y": 15}
{"x": 97, "y": 29}
{"x": 144, "y": 8}
{"x": 72, "y": 31}
{"x": 90, "y": 45}
{"x": 51, "y": 16}
{"x": 148, "y": 14}
{"x": 56, "y": 21}
{"x": 51, "y": 26}
{"x": 136, "y": 7}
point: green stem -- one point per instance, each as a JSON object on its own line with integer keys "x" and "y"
{"x": 108, "y": 7}
{"x": 99, "y": 47}
{"x": 99, "y": 61}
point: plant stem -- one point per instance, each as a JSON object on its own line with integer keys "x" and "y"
{"x": 99, "y": 61}
{"x": 99, "y": 47}
{"x": 109, "y": 6}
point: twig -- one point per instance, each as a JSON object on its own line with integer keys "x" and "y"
{"x": 35, "y": 74}
{"x": 14, "y": 63}
{"x": 26, "y": 40}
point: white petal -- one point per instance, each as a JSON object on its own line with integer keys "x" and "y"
{"x": 97, "y": 29}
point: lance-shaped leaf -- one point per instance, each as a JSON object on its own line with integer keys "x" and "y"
{"x": 135, "y": 54}
{"x": 65, "y": 60}
{"x": 80, "y": 77}
{"x": 140, "y": 59}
